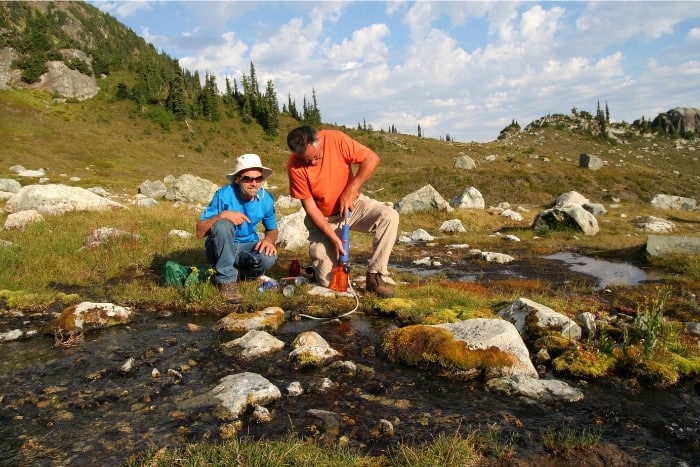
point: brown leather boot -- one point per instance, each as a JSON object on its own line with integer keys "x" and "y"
{"x": 376, "y": 284}
{"x": 229, "y": 292}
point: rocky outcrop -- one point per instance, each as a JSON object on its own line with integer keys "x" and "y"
{"x": 681, "y": 120}
{"x": 59, "y": 80}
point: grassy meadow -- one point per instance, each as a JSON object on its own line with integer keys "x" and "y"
{"x": 110, "y": 145}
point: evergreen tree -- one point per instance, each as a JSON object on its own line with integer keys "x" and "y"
{"x": 176, "y": 101}
{"x": 420, "y": 134}
{"x": 208, "y": 100}
{"x": 271, "y": 124}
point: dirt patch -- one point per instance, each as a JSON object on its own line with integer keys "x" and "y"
{"x": 602, "y": 455}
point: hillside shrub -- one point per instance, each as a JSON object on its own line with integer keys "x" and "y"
{"x": 32, "y": 67}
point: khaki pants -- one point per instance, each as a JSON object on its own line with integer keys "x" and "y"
{"x": 368, "y": 216}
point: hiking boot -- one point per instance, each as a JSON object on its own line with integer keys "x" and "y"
{"x": 229, "y": 292}
{"x": 376, "y": 284}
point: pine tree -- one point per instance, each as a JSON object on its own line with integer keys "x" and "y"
{"x": 176, "y": 102}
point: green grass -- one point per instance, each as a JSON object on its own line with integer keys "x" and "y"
{"x": 107, "y": 144}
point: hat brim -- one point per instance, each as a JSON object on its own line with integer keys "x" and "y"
{"x": 265, "y": 170}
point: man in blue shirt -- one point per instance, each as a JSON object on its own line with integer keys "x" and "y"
{"x": 233, "y": 246}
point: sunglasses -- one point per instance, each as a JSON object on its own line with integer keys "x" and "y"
{"x": 247, "y": 179}
{"x": 309, "y": 160}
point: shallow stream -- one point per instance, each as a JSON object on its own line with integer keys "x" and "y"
{"x": 76, "y": 407}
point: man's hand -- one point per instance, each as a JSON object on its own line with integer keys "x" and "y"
{"x": 235, "y": 217}
{"x": 347, "y": 200}
{"x": 265, "y": 247}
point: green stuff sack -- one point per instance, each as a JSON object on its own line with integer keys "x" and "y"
{"x": 177, "y": 275}
{"x": 174, "y": 274}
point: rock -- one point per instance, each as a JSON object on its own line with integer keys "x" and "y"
{"x": 488, "y": 334}
{"x": 311, "y": 350}
{"x": 180, "y": 233}
{"x": 64, "y": 82}
{"x": 295, "y": 389}
{"x": 262, "y": 414}
{"x": 100, "y": 236}
{"x": 464, "y": 162}
{"x": 293, "y": 234}
{"x": 9, "y": 185}
{"x": 287, "y": 202}
{"x": 571, "y": 197}
{"x": 658, "y": 245}
{"x": 58, "y": 199}
{"x": 89, "y": 315}
{"x": 489, "y": 346}
{"x": 500, "y": 258}
{"x": 424, "y": 199}
{"x": 153, "y": 189}
{"x": 253, "y": 345}
{"x": 191, "y": 189}
{"x": 270, "y": 318}
{"x": 673, "y": 202}
{"x": 526, "y": 314}
{"x": 330, "y": 421}
{"x": 420, "y": 235}
{"x": 12, "y": 335}
{"x": 571, "y": 215}
{"x": 541, "y": 390}
{"x": 512, "y": 215}
{"x": 238, "y": 392}
{"x": 588, "y": 161}
{"x": 654, "y": 224}
{"x": 452, "y": 226}
{"x": 19, "y": 220}
{"x": 470, "y": 198}
{"x": 22, "y": 172}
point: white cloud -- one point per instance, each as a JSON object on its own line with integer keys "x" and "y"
{"x": 461, "y": 68}
{"x": 124, "y": 9}
{"x": 693, "y": 35}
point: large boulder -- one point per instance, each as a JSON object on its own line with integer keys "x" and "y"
{"x": 471, "y": 198}
{"x": 293, "y": 233}
{"x": 58, "y": 199}
{"x": 465, "y": 349}
{"x": 191, "y": 189}
{"x": 424, "y": 199}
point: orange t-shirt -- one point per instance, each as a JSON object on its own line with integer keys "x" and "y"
{"x": 326, "y": 181}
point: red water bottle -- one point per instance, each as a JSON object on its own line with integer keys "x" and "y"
{"x": 294, "y": 268}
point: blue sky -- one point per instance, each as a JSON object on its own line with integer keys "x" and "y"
{"x": 463, "y": 69}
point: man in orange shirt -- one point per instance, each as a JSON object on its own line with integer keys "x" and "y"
{"x": 321, "y": 176}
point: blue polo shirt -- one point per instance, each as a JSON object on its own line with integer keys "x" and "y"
{"x": 259, "y": 209}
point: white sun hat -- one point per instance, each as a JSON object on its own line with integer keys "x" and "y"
{"x": 248, "y": 161}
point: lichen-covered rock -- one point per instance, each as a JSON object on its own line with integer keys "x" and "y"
{"x": 89, "y": 315}
{"x": 253, "y": 345}
{"x": 237, "y": 392}
{"x": 464, "y": 349}
{"x": 269, "y": 319}
{"x": 311, "y": 350}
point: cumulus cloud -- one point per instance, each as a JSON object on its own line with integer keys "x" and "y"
{"x": 466, "y": 69}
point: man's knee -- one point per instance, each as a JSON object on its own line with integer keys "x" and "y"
{"x": 222, "y": 227}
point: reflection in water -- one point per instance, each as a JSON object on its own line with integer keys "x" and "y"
{"x": 607, "y": 272}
